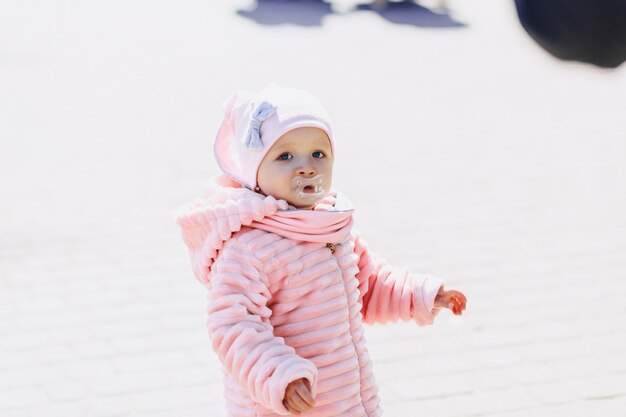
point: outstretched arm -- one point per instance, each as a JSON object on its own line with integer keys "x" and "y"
{"x": 390, "y": 293}
{"x": 242, "y": 335}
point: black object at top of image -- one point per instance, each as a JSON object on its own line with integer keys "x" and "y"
{"x": 592, "y": 31}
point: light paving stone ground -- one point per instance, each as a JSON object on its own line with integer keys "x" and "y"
{"x": 467, "y": 151}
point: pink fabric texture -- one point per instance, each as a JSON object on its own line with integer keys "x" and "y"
{"x": 283, "y": 308}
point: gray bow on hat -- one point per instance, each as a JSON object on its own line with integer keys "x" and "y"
{"x": 261, "y": 113}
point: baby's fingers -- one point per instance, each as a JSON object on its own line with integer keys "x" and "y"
{"x": 305, "y": 394}
{"x": 458, "y": 303}
{"x": 290, "y": 408}
{"x": 297, "y": 403}
{"x": 462, "y": 300}
{"x": 290, "y": 405}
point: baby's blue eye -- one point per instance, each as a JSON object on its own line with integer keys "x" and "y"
{"x": 318, "y": 154}
{"x": 285, "y": 156}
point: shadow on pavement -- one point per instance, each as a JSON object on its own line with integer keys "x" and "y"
{"x": 312, "y": 12}
{"x": 409, "y": 13}
{"x": 278, "y": 12}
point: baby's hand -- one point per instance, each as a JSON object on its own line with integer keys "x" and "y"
{"x": 298, "y": 398}
{"x": 452, "y": 299}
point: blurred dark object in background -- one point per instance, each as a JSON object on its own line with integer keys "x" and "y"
{"x": 592, "y": 31}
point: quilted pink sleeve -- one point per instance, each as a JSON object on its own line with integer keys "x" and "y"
{"x": 390, "y": 293}
{"x": 242, "y": 335}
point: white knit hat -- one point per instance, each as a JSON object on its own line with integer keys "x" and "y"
{"x": 253, "y": 122}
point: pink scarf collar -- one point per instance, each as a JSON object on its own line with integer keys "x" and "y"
{"x": 318, "y": 225}
{"x": 208, "y": 223}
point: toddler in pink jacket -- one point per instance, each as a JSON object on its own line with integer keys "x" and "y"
{"x": 289, "y": 279}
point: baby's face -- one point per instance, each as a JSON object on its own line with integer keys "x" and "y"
{"x": 298, "y": 168}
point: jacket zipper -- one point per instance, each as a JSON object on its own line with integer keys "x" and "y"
{"x": 331, "y": 246}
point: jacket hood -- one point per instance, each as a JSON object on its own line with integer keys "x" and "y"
{"x": 208, "y": 223}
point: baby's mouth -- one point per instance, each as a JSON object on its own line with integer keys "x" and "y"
{"x": 309, "y": 188}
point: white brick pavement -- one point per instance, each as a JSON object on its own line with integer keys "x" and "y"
{"x": 513, "y": 162}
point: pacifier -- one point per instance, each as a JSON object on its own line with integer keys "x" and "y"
{"x": 309, "y": 188}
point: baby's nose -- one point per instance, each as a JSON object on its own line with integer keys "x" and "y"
{"x": 306, "y": 172}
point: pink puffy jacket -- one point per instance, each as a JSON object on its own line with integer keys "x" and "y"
{"x": 288, "y": 291}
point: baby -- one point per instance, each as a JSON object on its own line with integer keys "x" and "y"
{"x": 289, "y": 279}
